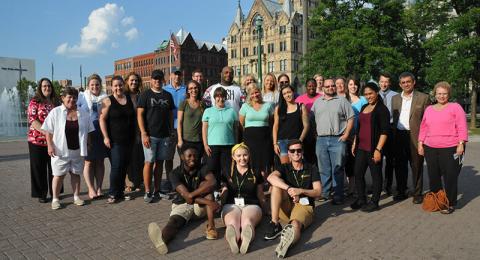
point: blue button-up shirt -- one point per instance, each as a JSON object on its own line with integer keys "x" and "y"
{"x": 178, "y": 95}
{"x": 387, "y": 100}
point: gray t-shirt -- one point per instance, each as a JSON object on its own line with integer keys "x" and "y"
{"x": 331, "y": 116}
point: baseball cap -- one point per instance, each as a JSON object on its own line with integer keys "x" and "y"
{"x": 158, "y": 74}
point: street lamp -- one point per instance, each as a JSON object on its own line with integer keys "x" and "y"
{"x": 258, "y": 25}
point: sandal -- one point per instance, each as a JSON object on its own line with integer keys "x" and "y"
{"x": 111, "y": 200}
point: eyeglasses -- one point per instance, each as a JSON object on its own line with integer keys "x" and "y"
{"x": 283, "y": 82}
{"x": 299, "y": 150}
{"x": 329, "y": 86}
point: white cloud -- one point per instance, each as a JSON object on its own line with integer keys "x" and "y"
{"x": 115, "y": 45}
{"x": 132, "y": 34}
{"x": 103, "y": 27}
{"x": 128, "y": 21}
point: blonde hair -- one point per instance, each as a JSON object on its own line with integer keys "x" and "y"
{"x": 250, "y": 88}
{"x": 248, "y": 76}
{"x": 94, "y": 76}
{"x": 443, "y": 84}
{"x": 236, "y": 147}
{"x": 275, "y": 85}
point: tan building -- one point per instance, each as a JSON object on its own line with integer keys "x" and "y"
{"x": 281, "y": 43}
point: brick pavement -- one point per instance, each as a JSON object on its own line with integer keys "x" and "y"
{"x": 29, "y": 230}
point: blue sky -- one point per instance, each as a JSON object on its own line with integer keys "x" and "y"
{"x": 95, "y": 33}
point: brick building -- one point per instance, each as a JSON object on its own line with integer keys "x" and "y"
{"x": 189, "y": 54}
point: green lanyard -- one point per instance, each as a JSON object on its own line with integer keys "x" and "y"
{"x": 186, "y": 180}
{"x": 239, "y": 185}
{"x": 300, "y": 185}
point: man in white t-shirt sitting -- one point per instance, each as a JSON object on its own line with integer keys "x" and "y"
{"x": 234, "y": 93}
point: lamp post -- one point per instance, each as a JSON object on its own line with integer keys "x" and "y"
{"x": 258, "y": 25}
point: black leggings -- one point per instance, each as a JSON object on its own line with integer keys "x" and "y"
{"x": 219, "y": 160}
{"x": 363, "y": 159}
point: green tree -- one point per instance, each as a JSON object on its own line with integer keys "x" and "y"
{"x": 357, "y": 37}
{"x": 26, "y": 89}
{"x": 455, "y": 51}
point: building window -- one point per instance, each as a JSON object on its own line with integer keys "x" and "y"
{"x": 271, "y": 48}
{"x": 295, "y": 65}
{"x": 233, "y": 39}
{"x": 295, "y": 46}
{"x": 244, "y": 52}
{"x": 283, "y": 65}
{"x": 295, "y": 29}
{"x": 254, "y": 50}
{"x": 233, "y": 54}
{"x": 245, "y": 69}
{"x": 283, "y": 29}
{"x": 283, "y": 46}
{"x": 271, "y": 66}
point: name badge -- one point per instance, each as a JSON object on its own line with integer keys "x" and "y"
{"x": 304, "y": 201}
{"x": 239, "y": 201}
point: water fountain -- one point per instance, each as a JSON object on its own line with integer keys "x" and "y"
{"x": 11, "y": 121}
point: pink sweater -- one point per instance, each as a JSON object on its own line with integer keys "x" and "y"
{"x": 445, "y": 128}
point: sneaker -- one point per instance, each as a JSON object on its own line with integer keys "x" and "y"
{"x": 56, "y": 204}
{"x": 370, "y": 207}
{"x": 285, "y": 241}
{"x": 211, "y": 233}
{"x": 273, "y": 231}
{"x": 163, "y": 195}
{"x": 247, "y": 236}
{"x": 155, "y": 235}
{"x": 79, "y": 202}
{"x": 231, "y": 238}
{"x": 148, "y": 197}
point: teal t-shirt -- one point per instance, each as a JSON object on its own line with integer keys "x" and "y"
{"x": 221, "y": 123}
{"x": 254, "y": 118}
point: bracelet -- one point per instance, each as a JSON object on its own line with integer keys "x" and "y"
{"x": 379, "y": 150}
{"x": 288, "y": 188}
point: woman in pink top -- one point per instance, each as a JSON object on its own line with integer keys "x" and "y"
{"x": 443, "y": 133}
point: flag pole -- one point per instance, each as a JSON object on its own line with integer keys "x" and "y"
{"x": 170, "y": 56}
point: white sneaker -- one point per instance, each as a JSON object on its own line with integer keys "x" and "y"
{"x": 56, "y": 205}
{"x": 79, "y": 202}
{"x": 285, "y": 241}
{"x": 155, "y": 235}
{"x": 231, "y": 238}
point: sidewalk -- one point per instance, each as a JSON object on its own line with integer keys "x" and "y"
{"x": 29, "y": 230}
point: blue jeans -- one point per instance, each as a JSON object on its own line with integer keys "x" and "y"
{"x": 331, "y": 161}
{"x": 119, "y": 159}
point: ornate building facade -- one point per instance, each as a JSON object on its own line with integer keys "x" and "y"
{"x": 281, "y": 41}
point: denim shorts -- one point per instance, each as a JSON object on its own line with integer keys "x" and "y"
{"x": 160, "y": 149}
{"x": 283, "y": 145}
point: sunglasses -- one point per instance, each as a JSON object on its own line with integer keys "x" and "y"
{"x": 283, "y": 82}
{"x": 295, "y": 150}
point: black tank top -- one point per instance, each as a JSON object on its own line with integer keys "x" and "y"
{"x": 292, "y": 126}
{"x": 121, "y": 121}
{"x": 71, "y": 134}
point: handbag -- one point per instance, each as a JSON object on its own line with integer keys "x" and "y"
{"x": 435, "y": 201}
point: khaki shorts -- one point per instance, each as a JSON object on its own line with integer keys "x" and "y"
{"x": 187, "y": 211}
{"x": 63, "y": 165}
{"x": 295, "y": 211}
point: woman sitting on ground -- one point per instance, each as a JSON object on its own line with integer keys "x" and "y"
{"x": 243, "y": 190}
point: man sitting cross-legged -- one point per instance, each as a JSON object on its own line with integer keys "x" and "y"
{"x": 294, "y": 187}
{"x": 194, "y": 186}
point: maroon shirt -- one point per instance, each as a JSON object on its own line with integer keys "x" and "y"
{"x": 365, "y": 134}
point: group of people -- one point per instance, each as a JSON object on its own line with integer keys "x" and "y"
{"x": 238, "y": 144}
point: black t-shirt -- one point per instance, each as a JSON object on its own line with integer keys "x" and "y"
{"x": 191, "y": 181}
{"x": 244, "y": 186}
{"x": 300, "y": 179}
{"x": 158, "y": 107}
